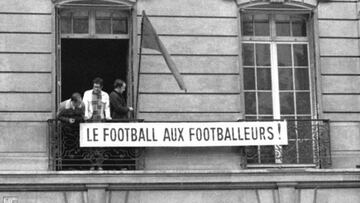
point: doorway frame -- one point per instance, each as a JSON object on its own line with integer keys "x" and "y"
{"x": 132, "y": 68}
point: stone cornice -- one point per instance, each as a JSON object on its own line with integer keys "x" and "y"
{"x": 175, "y": 180}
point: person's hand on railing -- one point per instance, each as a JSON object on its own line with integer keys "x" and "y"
{"x": 71, "y": 120}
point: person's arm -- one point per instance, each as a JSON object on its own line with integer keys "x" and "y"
{"x": 60, "y": 109}
{"x": 65, "y": 118}
{"x": 107, "y": 107}
{"x": 63, "y": 113}
{"x": 86, "y": 100}
{"x": 83, "y": 110}
{"x": 80, "y": 112}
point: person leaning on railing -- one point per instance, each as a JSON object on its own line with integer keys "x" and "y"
{"x": 72, "y": 110}
{"x": 71, "y": 114}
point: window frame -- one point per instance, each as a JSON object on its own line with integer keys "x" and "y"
{"x": 127, "y": 5}
{"x": 132, "y": 76}
{"x": 92, "y": 23}
{"x": 273, "y": 42}
{"x": 309, "y": 39}
{"x": 275, "y": 80}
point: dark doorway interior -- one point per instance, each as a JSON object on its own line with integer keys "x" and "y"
{"x": 81, "y": 61}
{"x": 84, "y": 59}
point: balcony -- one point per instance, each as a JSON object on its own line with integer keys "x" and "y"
{"x": 308, "y": 146}
{"x": 66, "y": 154}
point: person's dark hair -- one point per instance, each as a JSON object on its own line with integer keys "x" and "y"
{"x": 76, "y": 97}
{"x": 98, "y": 81}
{"x": 118, "y": 83}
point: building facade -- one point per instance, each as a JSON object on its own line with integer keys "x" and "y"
{"x": 241, "y": 60}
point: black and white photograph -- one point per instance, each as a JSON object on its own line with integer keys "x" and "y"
{"x": 179, "y": 101}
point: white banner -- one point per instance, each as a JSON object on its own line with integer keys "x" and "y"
{"x": 183, "y": 134}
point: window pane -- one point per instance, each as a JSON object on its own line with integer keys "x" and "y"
{"x": 252, "y": 154}
{"x": 81, "y": 25}
{"x": 249, "y": 79}
{"x": 110, "y": 23}
{"x": 306, "y": 152}
{"x": 290, "y": 153}
{"x": 119, "y": 26}
{"x": 262, "y": 27}
{"x": 248, "y": 54}
{"x": 103, "y": 26}
{"x": 65, "y": 13}
{"x": 285, "y": 79}
{"x": 301, "y": 79}
{"x": 65, "y": 21}
{"x": 298, "y": 26}
{"x": 65, "y": 25}
{"x": 267, "y": 154}
{"x": 286, "y": 103}
{"x": 304, "y": 128}
{"x": 250, "y": 103}
{"x": 118, "y": 14}
{"x": 262, "y": 55}
{"x": 263, "y": 79}
{"x": 284, "y": 54}
{"x": 247, "y": 25}
{"x": 265, "y": 102}
{"x": 282, "y": 25}
{"x": 292, "y": 128}
{"x": 300, "y": 55}
{"x": 103, "y": 22}
{"x": 103, "y": 14}
{"x": 81, "y": 21}
{"x": 303, "y": 102}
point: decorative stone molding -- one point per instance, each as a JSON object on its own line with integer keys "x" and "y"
{"x": 96, "y": 193}
{"x": 300, "y": 3}
{"x": 120, "y": 2}
{"x": 287, "y": 192}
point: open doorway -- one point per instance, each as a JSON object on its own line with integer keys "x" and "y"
{"x": 93, "y": 39}
{"x": 84, "y": 59}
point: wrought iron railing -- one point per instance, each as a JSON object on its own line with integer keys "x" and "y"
{"x": 308, "y": 146}
{"x": 66, "y": 154}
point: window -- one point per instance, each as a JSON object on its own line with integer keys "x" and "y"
{"x": 278, "y": 82}
{"x": 93, "y": 39}
{"x": 92, "y": 22}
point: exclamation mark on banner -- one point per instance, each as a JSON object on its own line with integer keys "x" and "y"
{"x": 279, "y": 129}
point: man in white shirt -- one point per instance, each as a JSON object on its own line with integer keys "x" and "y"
{"x": 97, "y": 104}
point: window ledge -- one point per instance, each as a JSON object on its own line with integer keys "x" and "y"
{"x": 251, "y": 166}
